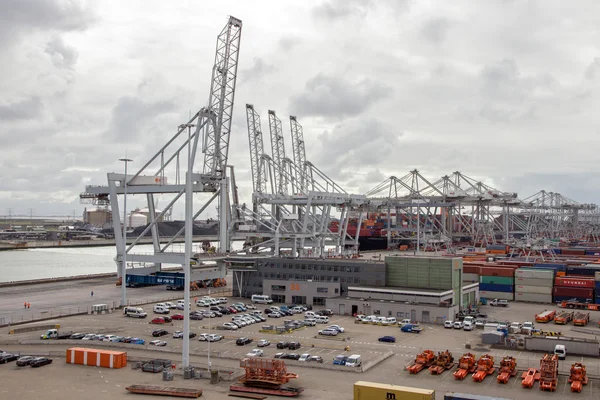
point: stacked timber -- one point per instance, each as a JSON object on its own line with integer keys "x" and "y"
{"x": 574, "y": 287}
{"x": 534, "y": 285}
{"x": 497, "y": 283}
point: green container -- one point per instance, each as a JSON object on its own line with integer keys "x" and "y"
{"x": 497, "y": 280}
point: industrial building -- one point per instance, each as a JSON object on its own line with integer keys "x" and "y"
{"x": 427, "y": 289}
{"x": 99, "y": 217}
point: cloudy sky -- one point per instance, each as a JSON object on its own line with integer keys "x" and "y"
{"x": 503, "y": 91}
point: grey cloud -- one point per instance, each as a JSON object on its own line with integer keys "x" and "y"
{"x": 62, "y": 54}
{"x": 330, "y": 96}
{"x": 593, "y": 70}
{"x": 131, "y": 116}
{"x": 258, "y": 69}
{"x": 435, "y": 30}
{"x": 289, "y": 42}
{"x": 336, "y": 9}
{"x": 22, "y": 110}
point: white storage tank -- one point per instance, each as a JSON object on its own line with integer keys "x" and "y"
{"x": 135, "y": 219}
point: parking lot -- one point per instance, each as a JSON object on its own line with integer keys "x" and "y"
{"x": 361, "y": 338}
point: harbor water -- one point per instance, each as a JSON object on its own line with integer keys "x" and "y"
{"x": 44, "y": 263}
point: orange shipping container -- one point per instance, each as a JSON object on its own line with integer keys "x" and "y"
{"x": 96, "y": 357}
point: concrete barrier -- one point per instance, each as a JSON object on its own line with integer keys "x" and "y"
{"x": 33, "y": 328}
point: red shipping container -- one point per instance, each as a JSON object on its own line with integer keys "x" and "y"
{"x": 470, "y": 269}
{"x": 497, "y": 271}
{"x": 574, "y": 292}
{"x": 571, "y": 281}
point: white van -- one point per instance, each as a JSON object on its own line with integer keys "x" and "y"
{"x": 354, "y": 361}
{"x": 390, "y": 321}
{"x": 321, "y": 319}
{"x": 561, "y": 351}
{"x": 261, "y": 299}
{"x": 134, "y": 312}
{"x": 309, "y": 314}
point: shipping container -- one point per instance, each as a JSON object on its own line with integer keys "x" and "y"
{"x": 496, "y": 295}
{"x": 497, "y": 271}
{"x": 534, "y": 282}
{"x": 534, "y": 273}
{"x": 597, "y": 275}
{"x": 534, "y": 289}
{"x": 471, "y": 269}
{"x": 372, "y": 391}
{"x": 573, "y": 292}
{"x": 466, "y": 396}
{"x": 497, "y": 280}
{"x": 96, "y": 357}
{"x": 470, "y": 277}
{"x": 558, "y": 299}
{"x": 533, "y": 297}
{"x": 573, "y": 252}
{"x": 569, "y": 281}
{"x": 594, "y": 252}
{"x": 556, "y": 267}
{"x": 597, "y": 300}
{"x": 583, "y": 270}
{"x": 490, "y": 287}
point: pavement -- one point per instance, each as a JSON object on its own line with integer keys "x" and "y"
{"x": 55, "y": 380}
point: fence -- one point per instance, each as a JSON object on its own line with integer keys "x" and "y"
{"x": 70, "y": 311}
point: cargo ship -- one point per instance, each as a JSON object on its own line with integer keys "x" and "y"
{"x": 371, "y": 236}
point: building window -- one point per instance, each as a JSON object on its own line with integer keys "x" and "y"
{"x": 278, "y": 298}
{"x": 260, "y": 275}
{"x": 335, "y": 279}
{"x": 329, "y": 278}
{"x": 335, "y": 268}
{"x": 356, "y": 269}
{"x": 285, "y": 276}
{"x": 342, "y": 279}
{"x": 329, "y": 268}
{"x": 319, "y": 301}
{"x": 278, "y": 288}
{"x": 309, "y": 277}
{"x": 322, "y": 268}
{"x": 356, "y": 280}
{"x": 322, "y": 290}
{"x": 377, "y": 312}
{"x": 348, "y": 269}
{"x": 299, "y": 299}
{"x": 303, "y": 266}
{"x": 303, "y": 277}
{"x": 337, "y": 291}
{"x": 400, "y": 315}
{"x": 310, "y": 267}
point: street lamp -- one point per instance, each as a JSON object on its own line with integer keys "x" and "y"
{"x": 124, "y": 267}
{"x": 209, "y": 318}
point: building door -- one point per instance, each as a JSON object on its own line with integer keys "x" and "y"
{"x": 342, "y": 309}
{"x": 425, "y": 317}
{"x": 354, "y": 310}
{"x": 413, "y": 315}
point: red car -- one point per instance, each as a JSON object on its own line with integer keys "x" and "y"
{"x": 158, "y": 320}
{"x": 177, "y": 316}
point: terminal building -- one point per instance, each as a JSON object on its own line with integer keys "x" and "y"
{"x": 424, "y": 289}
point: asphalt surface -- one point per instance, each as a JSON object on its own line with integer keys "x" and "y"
{"x": 57, "y": 380}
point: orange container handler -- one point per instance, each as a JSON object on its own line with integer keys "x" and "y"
{"x": 96, "y": 357}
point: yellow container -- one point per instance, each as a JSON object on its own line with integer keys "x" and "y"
{"x": 381, "y": 391}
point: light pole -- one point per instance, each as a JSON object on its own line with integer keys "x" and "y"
{"x": 124, "y": 267}
{"x": 209, "y": 318}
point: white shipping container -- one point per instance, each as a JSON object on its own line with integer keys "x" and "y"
{"x": 534, "y": 273}
{"x": 533, "y": 289}
{"x": 470, "y": 277}
{"x": 597, "y": 275}
{"x": 534, "y": 282}
{"x": 533, "y": 297}
{"x": 497, "y": 295}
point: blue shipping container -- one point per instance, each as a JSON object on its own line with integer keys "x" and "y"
{"x": 490, "y": 287}
{"x": 585, "y": 271}
{"x": 597, "y": 299}
{"x": 466, "y": 396}
{"x": 592, "y": 252}
{"x": 557, "y": 267}
{"x": 557, "y": 251}
{"x": 558, "y": 299}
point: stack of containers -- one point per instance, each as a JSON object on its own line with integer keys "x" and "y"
{"x": 471, "y": 273}
{"x": 497, "y": 283}
{"x": 597, "y": 289}
{"x": 534, "y": 285}
{"x": 583, "y": 270}
{"x": 573, "y": 287}
{"x": 559, "y": 269}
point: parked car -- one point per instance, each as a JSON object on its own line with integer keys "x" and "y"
{"x": 214, "y": 337}
{"x": 263, "y": 343}
{"x": 294, "y": 345}
{"x": 160, "y": 343}
{"x": 340, "y": 360}
{"x": 274, "y": 314}
{"x": 24, "y": 361}
{"x": 196, "y": 316}
{"x": 203, "y": 337}
{"x": 291, "y": 356}
{"x": 388, "y": 339}
{"x": 243, "y": 341}
{"x": 468, "y": 326}
{"x": 255, "y": 353}
{"x": 317, "y": 359}
{"x": 480, "y": 323}
{"x": 230, "y": 326}
{"x": 458, "y": 324}
{"x": 310, "y": 322}
{"x": 5, "y": 358}
{"x": 170, "y": 305}
{"x": 449, "y": 324}
{"x": 304, "y": 357}
{"x": 158, "y": 320}
{"x": 337, "y": 327}
{"x": 159, "y": 332}
{"x": 283, "y": 345}
{"x": 177, "y": 317}
{"x": 40, "y": 361}
{"x": 179, "y": 335}
{"x": 328, "y": 332}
